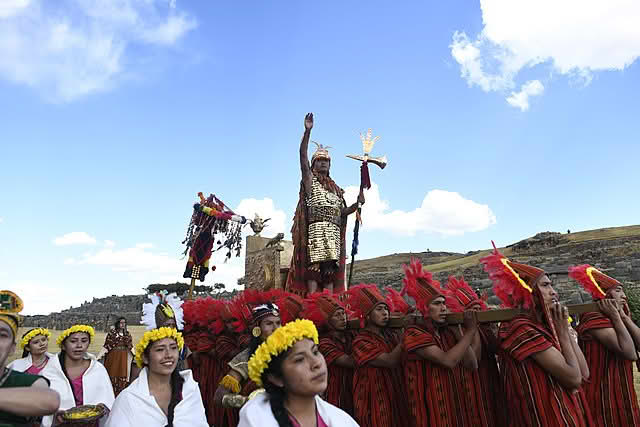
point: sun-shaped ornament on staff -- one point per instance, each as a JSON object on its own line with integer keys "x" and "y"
{"x": 367, "y": 142}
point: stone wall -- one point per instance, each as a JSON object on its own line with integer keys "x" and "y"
{"x": 266, "y": 267}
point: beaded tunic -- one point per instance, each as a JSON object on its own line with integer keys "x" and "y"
{"x": 324, "y": 212}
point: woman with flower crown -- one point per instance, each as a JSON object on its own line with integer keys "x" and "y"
{"x": 161, "y": 395}
{"x": 77, "y": 376}
{"x": 34, "y": 344}
{"x": 293, "y": 372}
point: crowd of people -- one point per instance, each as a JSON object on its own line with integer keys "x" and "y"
{"x": 273, "y": 358}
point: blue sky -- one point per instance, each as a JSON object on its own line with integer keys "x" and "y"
{"x": 499, "y": 120}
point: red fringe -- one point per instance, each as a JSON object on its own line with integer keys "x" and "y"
{"x": 396, "y": 302}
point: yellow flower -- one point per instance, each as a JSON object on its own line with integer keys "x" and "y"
{"x": 156, "y": 335}
{"x": 72, "y": 330}
{"x": 278, "y": 342}
{"x": 32, "y": 334}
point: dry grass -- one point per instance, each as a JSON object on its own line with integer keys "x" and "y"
{"x": 96, "y": 343}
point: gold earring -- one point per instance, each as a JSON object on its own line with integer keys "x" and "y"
{"x": 256, "y": 331}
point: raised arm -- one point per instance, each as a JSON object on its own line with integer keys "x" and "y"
{"x": 563, "y": 366}
{"x": 304, "y": 153}
{"x": 617, "y": 339}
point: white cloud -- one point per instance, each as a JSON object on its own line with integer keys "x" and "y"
{"x": 74, "y": 238}
{"x": 573, "y": 37}
{"x": 441, "y": 212}
{"x": 10, "y": 8}
{"x": 521, "y": 99}
{"x": 266, "y": 209}
{"x": 1, "y": 219}
{"x": 146, "y": 265}
{"x": 68, "y": 49}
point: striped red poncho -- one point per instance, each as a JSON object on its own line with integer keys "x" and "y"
{"x": 379, "y": 398}
{"x": 439, "y": 396}
{"x": 340, "y": 379}
{"x": 610, "y": 390}
{"x": 534, "y": 397}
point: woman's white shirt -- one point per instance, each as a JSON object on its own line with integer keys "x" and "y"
{"x": 135, "y": 406}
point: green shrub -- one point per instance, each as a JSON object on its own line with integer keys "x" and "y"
{"x": 633, "y": 297}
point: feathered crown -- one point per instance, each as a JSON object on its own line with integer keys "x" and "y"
{"x": 162, "y": 306}
{"x": 512, "y": 282}
{"x": 420, "y": 286}
{"x": 592, "y": 280}
{"x": 396, "y": 302}
{"x": 320, "y": 306}
{"x": 322, "y": 152}
{"x": 463, "y": 294}
{"x": 363, "y": 298}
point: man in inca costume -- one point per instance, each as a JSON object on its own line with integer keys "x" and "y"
{"x": 319, "y": 225}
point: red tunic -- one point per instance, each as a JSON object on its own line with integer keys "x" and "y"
{"x": 534, "y": 397}
{"x": 226, "y": 348}
{"x": 379, "y": 398}
{"x": 439, "y": 396}
{"x": 340, "y": 381}
{"x": 610, "y": 390}
{"x": 208, "y": 373}
{"x": 493, "y": 403}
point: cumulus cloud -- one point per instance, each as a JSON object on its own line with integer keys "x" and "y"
{"x": 136, "y": 259}
{"x": 74, "y": 238}
{"x": 266, "y": 209}
{"x": 574, "y": 38}
{"x": 1, "y": 219}
{"x": 109, "y": 243}
{"x": 521, "y": 99}
{"x": 68, "y": 49}
{"x": 441, "y": 212}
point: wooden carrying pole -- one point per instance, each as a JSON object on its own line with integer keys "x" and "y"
{"x": 487, "y": 316}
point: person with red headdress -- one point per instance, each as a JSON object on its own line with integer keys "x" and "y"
{"x": 539, "y": 361}
{"x": 329, "y": 315}
{"x": 438, "y": 389}
{"x": 610, "y": 341}
{"x": 379, "y": 395}
{"x": 491, "y": 404}
{"x": 257, "y": 310}
{"x": 290, "y": 305}
{"x": 319, "y": 224}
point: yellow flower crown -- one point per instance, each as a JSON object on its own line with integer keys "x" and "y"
{"x": 156, "y": 335}
{"x": 278, "y": 342}
{"x": 32, "y": 334}
{"x": 76, "y": 328}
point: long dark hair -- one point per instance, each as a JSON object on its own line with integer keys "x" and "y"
{"x": 62, "y": 354}
{"x": 277, "y": 394}
{"x": 25, "y": 352}
{"x": 176, "y": 382}
{"x": 116, "y": 325}
{"x": 254, "y": 343}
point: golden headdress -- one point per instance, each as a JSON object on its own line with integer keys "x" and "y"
{"x": 10, "y": 306}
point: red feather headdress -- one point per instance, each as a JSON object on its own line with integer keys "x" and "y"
{"x": 463, "y": 294}
{"x": 396, "y": 302}
{"x": 420, "y": 286}
{"x": 362, "y": 298}
{"x": 290, "y": 306}
{"x": 512, "y": 282}
{"x": 320, "y": 306}
{"x": 593, "y": 281}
